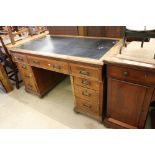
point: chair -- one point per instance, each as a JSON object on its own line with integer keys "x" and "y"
{"x": 143, "y": 34}
{"x": 8, "y": 64}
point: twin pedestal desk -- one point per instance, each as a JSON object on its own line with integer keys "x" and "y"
{"x": 105, "y": 88}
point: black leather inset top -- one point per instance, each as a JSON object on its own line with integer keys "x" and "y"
{"x": 72, "y": 46}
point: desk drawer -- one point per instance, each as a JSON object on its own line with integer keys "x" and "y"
{"x": 19, "y": 58}
{"x": 87, "y": 106}
{"x": 53, "y": 65}
{"x": 87, "y": 83}
{"x": 129, "y": 74}
{"x": 87, "y": 94}
{"x": 24, "y": 67}
{"x": 86, "y": 72}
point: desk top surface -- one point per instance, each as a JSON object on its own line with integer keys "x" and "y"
{"x": 73, "y": 46}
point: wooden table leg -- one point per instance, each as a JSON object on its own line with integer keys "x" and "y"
{"x": 4, "y": 80}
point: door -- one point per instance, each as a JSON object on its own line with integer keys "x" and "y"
{"x": 128, "y": 102}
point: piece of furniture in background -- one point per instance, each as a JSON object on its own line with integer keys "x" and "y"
{"x": 143, "y": 34}
{"x": 4, "y": 80}
{"x": 105, "y": 31}
{"x": 93, "y": 31}
{"x": 63, "y": 30}
{"x": 18, "y": 32}
{"x": 9, "y": 66}
{"x": 37, "y": 29}
{"x": 130, "y": 91}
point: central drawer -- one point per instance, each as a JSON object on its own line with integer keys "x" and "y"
{"x": 53, "y": 65}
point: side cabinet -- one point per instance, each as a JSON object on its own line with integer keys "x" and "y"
{"x": 129, "y": 94}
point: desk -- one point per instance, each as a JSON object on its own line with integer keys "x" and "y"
{"x": 130, "y": 86}
{"x": 4, "y": 80}
{"x": 44, "y": 62}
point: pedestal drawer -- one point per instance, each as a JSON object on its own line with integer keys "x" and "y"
{"x": 87, "y": 83}
{"x": 87, "y": 94}
{"x": 86, "y": 72}
{"x": 87, "y": 106}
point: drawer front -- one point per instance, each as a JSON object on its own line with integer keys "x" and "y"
{"x": 87, "y": 106}
{"x": 86, "y": 72}
{"x": 127, "y": 73}
{"x": 86, "y": 94}
{"x": 53, "y": 65}
{"x": 37, "y": 62}
{"x": 24, "y": 67}
{"x": 87, "y": 83}
{"x": 19, "y": 58}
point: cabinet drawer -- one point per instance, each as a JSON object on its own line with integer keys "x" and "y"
{"x": 127, "y": 74}
{"x": 24, "y": 67}
{"x": 53, "y": 65}
{"x": 87, "y": 106}
{"x": 87, "y": 94}
{"x": 86, "y": 72}
{"x": 30, "y": 85}
{"x": 87, "y": 83}
{"x": 19, "y": 58}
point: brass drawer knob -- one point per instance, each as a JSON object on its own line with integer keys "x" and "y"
{"x": 24, "y": 66}
{"x": 84, "y": 72}
{"x": 56, "y": 66}
{"x": 125, "y": 74}
{"x": 85, "y": 93}
{"x": 36, "y": 62}
{"x": 20, "y": 59}
{"x": 85, "y": 82}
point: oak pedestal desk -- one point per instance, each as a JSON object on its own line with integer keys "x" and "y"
{"x": 45, "y": 61}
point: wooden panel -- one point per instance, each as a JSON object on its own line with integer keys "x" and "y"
{"x": 86, "y": 94}
{"x": 87, "y": 83}
{"x": 46, "y": 80}
{"x": 113, "y": 31}
{"x": 50, "y": 64}
{"x": 153, "y": 97}
{"x": 105, "y": 31}
{"x": 125, "y": 102}
{"x": 63, "y": 30}
{"x": 86, "y": 72}
{"x": 4, "y": 80}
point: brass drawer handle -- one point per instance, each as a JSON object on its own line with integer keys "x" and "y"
{"x": 20, "y": 59}
{"x": 84, "y": 72}
{"x": 27, "y": 76}
{"x": 36, "y": 62}
{"x": 85, "y": 82}
{"x": 85, "y": 93}
{"x": 88, "y": 106}
{"x": 125, "y": 74}
{"x": 56, "y": 66}
{"x": 24, "y": 66}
